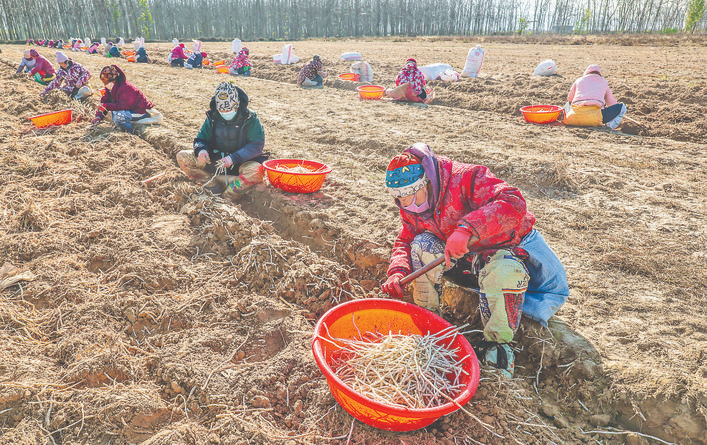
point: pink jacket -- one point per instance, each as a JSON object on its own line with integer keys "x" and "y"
{"x": 470, "y": 194}
{"x": 591, "y": 89}
{"x": 42, "y": 64}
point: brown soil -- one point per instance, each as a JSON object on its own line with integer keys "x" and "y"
{"x": 163, "y": 315}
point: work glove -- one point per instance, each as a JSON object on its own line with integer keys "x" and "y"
{"x": 457, "y": 246}
{"x": 203, "y": 157}
{"x": 392, "y": 285}
{"x": 79, "y": 84}
{"x": 101, "y": 109}
{"x": 96, "y": 121}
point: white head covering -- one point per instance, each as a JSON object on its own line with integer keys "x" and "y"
{"x": 61, "y": 57}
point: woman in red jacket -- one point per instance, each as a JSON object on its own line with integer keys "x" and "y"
{"x": 483, "y": 228}
{"x": 127, "y": 104}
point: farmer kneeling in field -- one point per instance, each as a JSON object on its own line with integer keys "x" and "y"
{"x": 241, "y": 64}
{"x": 73, "y": 76}
{"x": 228, "y": 151}
{"x": 410, "y": 74}
{"x": 592, "y": 103}
{"x": 127, "y": 104}
{"x": 43, "y": 70}
{"x": 26, "y": 64}
{"x": 312, "y": 73}
{"x": 141, "y": 56}
{"x": 482, "y": 227}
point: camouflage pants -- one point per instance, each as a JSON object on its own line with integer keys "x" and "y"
{"x": 503, "y": 281}
{"x": 250, "y": 173}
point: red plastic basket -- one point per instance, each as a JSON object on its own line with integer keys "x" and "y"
{"x": 349, "y": 320}
{"x": 541, "y": 114}
{"x": 350, "y": 76}
{"x": 371, "y": 91}
{"x": 62, "y": 117}
{"x": 305, "y": 182}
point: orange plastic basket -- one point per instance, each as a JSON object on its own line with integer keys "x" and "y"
{"x": 222, "y": 69}
{"x": 219, "y": 63}
{"x": 350, "y": 76}
{"x": 129, "y": 53}
{"x": 54, "y": 118}
{"x": 305, "y": 182}
{"x": 541, "y": 114}
{"x": 371, "y": 91}
{"x": 206, "y": 62}
{"x": 349, "y": 320}
{"x": 130, "y": 59}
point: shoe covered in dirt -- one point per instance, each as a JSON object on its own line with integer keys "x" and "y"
{"x": 501, "y": 356}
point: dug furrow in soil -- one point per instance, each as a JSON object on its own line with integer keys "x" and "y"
{"x": 145, "y": 285}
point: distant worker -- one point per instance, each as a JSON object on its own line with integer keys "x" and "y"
{"x": 590, "y": 102}
{"x": 177, "y": 56}
{"x": 241, "y": 64}
{"x": 43, "y": 70}
{"x": 312, "y": 73}
{"x": 411, "y": 74}
{"x": 26, "y": 64}
{"x": 141, "y": 56}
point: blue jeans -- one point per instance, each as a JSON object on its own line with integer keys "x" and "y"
{"x": 547, "y": 289}
{"x": 124, "y": 119}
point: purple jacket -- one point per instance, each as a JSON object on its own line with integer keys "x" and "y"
{"x": 124, "y": 96}
{"x": 42, "y": 64}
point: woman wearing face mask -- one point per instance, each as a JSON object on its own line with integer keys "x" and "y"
{"x": 483, "y": 228}
{"x": 228, "y": 151}
{"x": 126, "y": 103}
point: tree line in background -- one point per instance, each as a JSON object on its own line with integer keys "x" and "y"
{"x": 299, "y": 19}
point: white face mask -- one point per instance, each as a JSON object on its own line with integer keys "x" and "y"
{"x": 228, "y": 115}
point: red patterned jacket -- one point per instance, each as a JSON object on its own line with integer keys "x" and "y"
{"x": 493, "y": 211}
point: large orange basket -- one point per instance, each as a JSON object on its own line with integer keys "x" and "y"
{"x": 349, "y": 320}
{"x": 62, "y": 117}
{"x": 541, "y": 114}
{"x": 296, "y": 182}
{"x": 371, "y": 91}
{"x": 222, "y": 69}
{"x": 219, "y": 63}
{"x": 350, "y": 76}
{"x": 131, "y": 59}
{"x": 129, "y": 53}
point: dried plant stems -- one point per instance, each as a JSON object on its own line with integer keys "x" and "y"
{"x": 407, "y": 371}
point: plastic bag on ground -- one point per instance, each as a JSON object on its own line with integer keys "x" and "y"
{"x": 287, "y": 57}
{"x": 546, "y": 68}
{"x": 449, "y": 76}
{"x": 406, "y": 93}
{"x": 474, "y": 60}
{"x": 364, "y": 70}
{"x": 351, "y": 56}
{"x": 236, "y": 46}
{"x": 433, "y": 71}
{"x": 155, "y": 117}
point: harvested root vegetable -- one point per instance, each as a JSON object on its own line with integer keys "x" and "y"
{"x": 407, "y": 371}
{"x": 300, "y": 169}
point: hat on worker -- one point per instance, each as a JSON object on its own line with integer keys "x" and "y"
{"x": 33, "y": 53}
{"x": 61, "y": 57}
{"x": 226, "y": 97}
{"x": 405, "y": 175}
{"x": 592, "y": 69}
{"x": 411, "y": 60}
{"x": 27, "y": 54}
